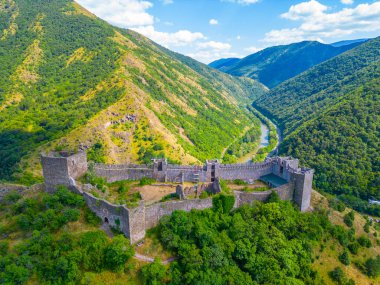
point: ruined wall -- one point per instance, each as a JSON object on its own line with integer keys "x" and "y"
{"x": 245, "y": 171}
{"x": 193, "y": 173}
{"x": 77, "y": 165}
{"x": 123, "y": 172}
{"x": 137, "y": 224}
{"x": 285, "y": 192}
{"x": 155, "y": 212}
{"x": 116, "y": 216}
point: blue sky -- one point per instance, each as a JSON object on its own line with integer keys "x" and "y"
{"x": 211, "y": 29}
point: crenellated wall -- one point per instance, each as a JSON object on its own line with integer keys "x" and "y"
{"x": 285, "y": 192}
{"x": 62, "y": 169}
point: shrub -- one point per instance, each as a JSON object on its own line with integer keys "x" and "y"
{"x": 223, "y": 203}
{"x": 153, "y": 273}
{"x": 354, "y": 247}
{"x": 372, "y": 266}
{"x": 345, "y": 258}
{"x": 91, "y": 218}
{"x": 12, "y": 197}
{"x": 239, "y": 182}
{"x": 340, "y": 277}
{"x": 117, "y": 253}
{"x": 337, "y": 204}
{"x": 364, "y": 241}
{"x": 349, "y": 219}
{"x": 146, "y": 181}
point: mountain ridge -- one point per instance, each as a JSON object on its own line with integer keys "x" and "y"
{"x": 276, "y": 64}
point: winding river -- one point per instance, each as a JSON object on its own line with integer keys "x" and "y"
{"x": 264, "y": 141}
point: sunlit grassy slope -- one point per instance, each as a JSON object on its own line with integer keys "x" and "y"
{"x": 70, "y": 79}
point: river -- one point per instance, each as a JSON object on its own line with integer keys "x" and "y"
{"x": 264, "y": 141}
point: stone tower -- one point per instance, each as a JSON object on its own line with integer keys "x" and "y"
{"x": 303, "y": 182}
{"x": 62, "y": 168}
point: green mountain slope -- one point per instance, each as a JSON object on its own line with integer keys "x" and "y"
{"x": 330, "y": 116}
{"x": 223, "y": 63}
{"x": 70, "y": 79}
{"x": 275, "y": 65}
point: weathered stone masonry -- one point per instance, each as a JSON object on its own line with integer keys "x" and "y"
{"x": 63, "y": 169}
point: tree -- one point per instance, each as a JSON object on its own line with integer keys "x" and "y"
{"x": 345, "y": 258}
{"x": 372, "y": 266}
{"x": 223, "y": 203}
{"x": 117, "y": 253}
{"x": 153, "y": 273}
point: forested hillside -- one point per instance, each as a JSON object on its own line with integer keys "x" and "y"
{"x": 275, "y": 65}
{"x": 69, "y": 79}
{"x": 330, "y": 116}
{"x": 55, "y": 239}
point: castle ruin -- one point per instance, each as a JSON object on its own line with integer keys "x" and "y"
{"x": 283, "y": 174}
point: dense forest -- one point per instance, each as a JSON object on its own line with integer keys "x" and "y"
{"x": 67, "y": 75}
{"x": 274, "y": 65}
{"x": 55, "y": 239}
{"x": 330, "y": 116}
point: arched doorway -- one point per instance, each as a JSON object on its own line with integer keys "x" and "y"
{"x": 106, "y": 220}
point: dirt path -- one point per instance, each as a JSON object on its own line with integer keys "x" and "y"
{"x": 150, "y": 259}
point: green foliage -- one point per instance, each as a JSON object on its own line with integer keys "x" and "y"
{"x": 340, "y": 277}
{"x": 91, "y": 178}
{"x": 96, "y": 153}
{"x": 146, "y": 181}
{"x": 204, "y": 195}
{"x": 12, "y": 197}
{"x": 223, "y": 203}
{"x": 345, "y": 258}
{"x": 364, "y": 241}
{"x": 273, "y": 198}
{"x": 49, "y": 254}
{"x": 250, "y": 245}
{"x": 117, "y": 253}
{"x": 91, "y": 218}
{"x": 153, "y": 273}
{"x": 372, "y": 266}
{"x": 329, "y": 116}
{"x": 79, "y": 67}
{"x": 349, "y": 218}
{"x": 274, "y": 65}
{"x": 336, "y": 204}
{"x": 240, "y": 182}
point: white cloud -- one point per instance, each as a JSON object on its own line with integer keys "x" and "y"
{"x": 214, "y": 45}
{"x": 127, "y": 13}
{"x": 179, "y": 38}
{"x": 213, "y": 22}
{"x": 133, "y": 14}
{"x": 238, "y": 37}
{"x": 242, "y": 2}
{"x": 318, "y": 24}
{"x": 253, "y": 49}
{"x": 347, "y": 2}
{"x": 304, "y": 10}
{"x": 207, "y": 56}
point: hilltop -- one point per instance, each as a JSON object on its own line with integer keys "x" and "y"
{"x": 277, "y": 64}
{"x": 330, "y": 118}
{"x": 69, "y": 80}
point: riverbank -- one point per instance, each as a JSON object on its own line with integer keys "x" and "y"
{"x": 270, "y": 140}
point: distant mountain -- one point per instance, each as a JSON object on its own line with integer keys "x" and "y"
{"x": 69, "y": 79}
{"x": 224, "y": 63}
{"x": 275, "y": 65}
{"x": 330, "y": 116}
{"x": 348, "y": 42}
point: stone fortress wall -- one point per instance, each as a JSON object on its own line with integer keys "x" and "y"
{"x": 64, "y": 168}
